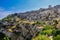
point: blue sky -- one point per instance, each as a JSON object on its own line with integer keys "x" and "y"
{"x": 12, "y": 6}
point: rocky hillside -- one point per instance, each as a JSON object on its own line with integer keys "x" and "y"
{"x": 42, "y": 14}
{"x": 26, "y": 26}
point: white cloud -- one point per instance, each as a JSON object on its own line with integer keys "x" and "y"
{"x": 4, "y": 13}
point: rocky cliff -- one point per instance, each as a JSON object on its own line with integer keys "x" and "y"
{"x": 22, "y": 26}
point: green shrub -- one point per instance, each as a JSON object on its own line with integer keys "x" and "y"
{"x": 47, "y": 26}
{"x": 57, "y": 37}
{"x": 56, "y": 32}
{"x": 37, "y": 22}
{"x": 55, "y": 21}
{"x": 41, "y": 37}
{"x": 48, "y": 32}
{"x": 7, "y": 38}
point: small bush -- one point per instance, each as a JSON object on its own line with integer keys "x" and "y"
{"x": 41, "y": 37}
{"x": 47, "y": 26}
{"x": 57, "y": 37}
{"x": 7, "y": 38}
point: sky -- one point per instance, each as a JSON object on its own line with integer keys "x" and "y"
{"x": 11, "y": 6}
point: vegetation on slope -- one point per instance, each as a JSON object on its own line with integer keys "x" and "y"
{"x": 35, "y": 25}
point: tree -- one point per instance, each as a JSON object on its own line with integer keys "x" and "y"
{"x": 7, "y": 38}
{"x": 47, "y": 26}
{"x": 41, "y": 37}
{"x": 57, "y": 37}
{"x": 55, "y": 22}
{"x": 57, "y": 32}
{"x": 48, "y": 32}
{"x": 2, "y": 36}
{"x": 38, "y": 22}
